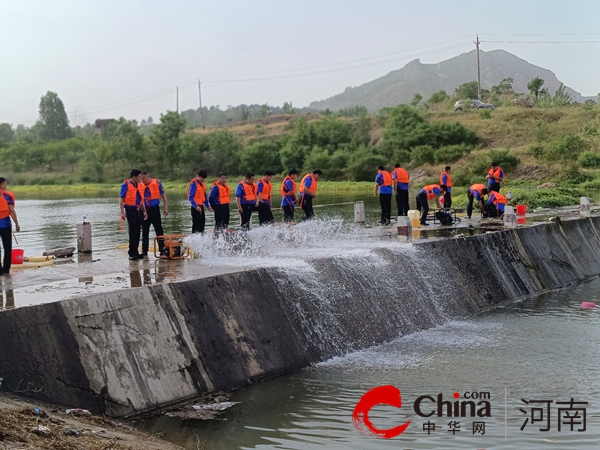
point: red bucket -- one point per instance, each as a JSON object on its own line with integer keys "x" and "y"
{"x": 17, "y": 256}
{"x": 521, "y": 209}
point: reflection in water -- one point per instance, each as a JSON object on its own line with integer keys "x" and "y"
{"x": 141, "y": 278}
{"x": 7, "y": 301}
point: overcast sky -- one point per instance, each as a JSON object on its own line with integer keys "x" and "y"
{"x": 114, "y": 58}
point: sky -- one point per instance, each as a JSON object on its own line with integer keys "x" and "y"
{"x": 109, "y": 58}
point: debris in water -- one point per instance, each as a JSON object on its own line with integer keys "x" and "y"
{"x": 588, "y": 305}
{"x": 77, "y": 410}
{"x": 42, "y": 431}
{"x": 71, "y": 431}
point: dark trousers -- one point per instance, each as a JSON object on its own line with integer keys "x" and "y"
{"x": 288, "y": 213}
{"x": 221, "y": 217}
{"x": 198, "y": 220}
{"x": 307, "y": 206}
{"x": 265, "y": 215}
{"x": 492, "y": 211}
{"x": 134, "y": 223}
{"x": 447, "y": 200}
{"x": 470, "y": 205}
{"x": 422, "y": 203}
{"x": 385, "y": 200}
{"x": 494, "y": 187}
{"x": 6, "y": 234}
{"x": 154, "y": 220}
{"x": 247, "y": 215}
{"x": 402, "y": 202}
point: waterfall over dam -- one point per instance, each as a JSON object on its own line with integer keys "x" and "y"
{"x": 302, "y": 297}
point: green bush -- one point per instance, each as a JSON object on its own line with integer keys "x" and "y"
{"x": 450, "y": 153}
{"x": 423, "y": 154}
{"x": 589, "y": 159}
{"x": 567, "y": 148}
{"x": 363, "y": 164}
{"x": 505, "y": 159}
{"x": 485, "y": 113}
{"x": 537, "y": 151}
{"x": 574, "y": 175}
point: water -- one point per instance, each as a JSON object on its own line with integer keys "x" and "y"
{"x": 544, "y": 349}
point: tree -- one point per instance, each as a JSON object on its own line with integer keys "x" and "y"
{"x": 437, "y": 97}
{"x": 505, "y": 87}
{"x": 466, "y": 90}
{"x": 561, "y": 96}
{"x": 53, "y": 122}
{"x": 535, "y": 87}
{"x": 288, "y": 108}
{"x": 244, "y": 113}
{"x": 165, "y": 137}
{"x": 416, "y": 100}
{"x": 6, "y": 134}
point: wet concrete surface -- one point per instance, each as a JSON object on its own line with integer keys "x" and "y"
{"x": 110, "y": 270}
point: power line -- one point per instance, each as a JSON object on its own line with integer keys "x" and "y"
{"x": 544, "y": 42}
{"x": 335, "y": 64}
{"x": 540, "y": 34}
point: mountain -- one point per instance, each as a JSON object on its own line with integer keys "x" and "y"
{"x": 400, "y": 85}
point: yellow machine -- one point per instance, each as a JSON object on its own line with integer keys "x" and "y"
{"x": 174, "y": 248}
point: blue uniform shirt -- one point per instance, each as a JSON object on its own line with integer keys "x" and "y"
{"x": 138, "y": 198}
{"x": 382, "y": 189}
{"x": 192, "y": 194}
{"x": 147, "y": 200}
{"x": 436, "y": 191}
{"x": 307, "y": 184}
{"x": 401, "y": 186}
{"x": 499, "y": 206}
{"x": 5, "y": 223}
{"x": 288, "y": 199}
{"x": 241, "y": 193}
{"x": 445, "y": 181}
{"x": 476, "y": 195}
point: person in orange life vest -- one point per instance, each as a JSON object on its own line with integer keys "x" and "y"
{"x": 199, "y": 200}
{"x": 446, "y": 179}
{"x": 265, "y": 216}
{"x": 401, "y": 182}
{"x": 7, "y": 211}
{"x": 476, "y": 192}
{"x": 219, "y": 200}
{"x": 429, "y": 192}
{"x": 288, "y": 195}
{"x": 495, "y": 176}
{"x": 134, "y": 210}
{"x": 496, "y": 204}
{"x": 308, "y": 192}
{"x": 246, "y": 197}
{"x": 153, "y": 192}
{"x": 383, "y": 185}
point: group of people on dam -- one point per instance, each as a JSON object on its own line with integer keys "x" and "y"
{"x": 398, "y": 182}
{"x": 140, "y": 198}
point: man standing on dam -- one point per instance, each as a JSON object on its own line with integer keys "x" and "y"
{"x": 446, "y": 180}
{"x": 265, "y": 215}
{"x": 401, "y": 181}
{"x": 132, "y": 208}
{"x": 429, "y": 192}
{"x": 288, "y": 195}
{"x": 153, "y": 192}
{"x": 476, "y": 192}
{"x": 7, "y": 211}
{"x": 383, "y": 186}
{"x": 219, "y": 200}
{"x": 246, "y": 197}
{"x": 308, "y": 192}
{"x": 199, "y": 200}
{"x": 495, "y": 176}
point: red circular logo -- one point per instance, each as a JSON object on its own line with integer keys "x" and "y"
{"x": 381, "y": 395}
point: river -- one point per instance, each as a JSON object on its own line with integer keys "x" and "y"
{"x": 544, "y": 349}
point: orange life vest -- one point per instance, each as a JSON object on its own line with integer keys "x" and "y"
{"x": 4, "y": 209}
{"x": 249, "y": 191}
{"x": 386, "y": 178}
{"x": 266, "y": 190}
{"x": 312, "y": 188}
{"x": 429, "y": 190}
{"x": 401, "y": 175}
{"x": 497, "y": 198}
{"x": 448, "y": 182}
{"x": 283, "y": 190}
{"x": 154, "y": 189}
{"x": 224, "y": 192}
{"x": 495, "y": 173}
{"x": 130, "y": 195}
{"x": 478, "y": 188}
{"x": 200, "y": 194}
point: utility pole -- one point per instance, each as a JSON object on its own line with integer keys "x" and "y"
{"x": 200, "y": 100}
{"x": 177, "y": 99}
{"x": 477, "y": 42}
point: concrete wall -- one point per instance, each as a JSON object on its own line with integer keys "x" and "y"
{"x": 131, "y": 351}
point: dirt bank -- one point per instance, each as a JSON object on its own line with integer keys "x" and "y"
{"x": 22, "y": 428}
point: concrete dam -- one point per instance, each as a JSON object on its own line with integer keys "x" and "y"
{"x": 138, "y": 349}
